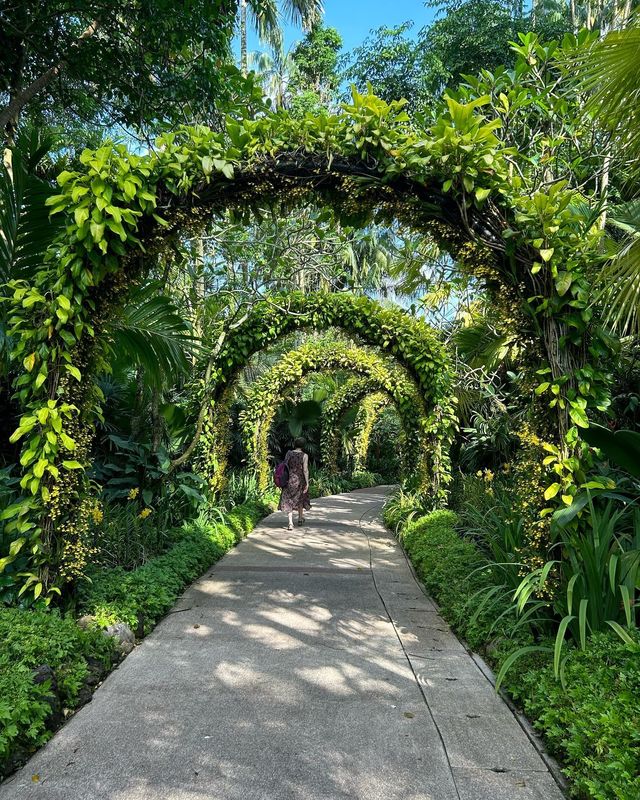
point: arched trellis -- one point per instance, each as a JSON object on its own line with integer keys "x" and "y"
{"x": 262, "y": 400}
{"x": 412, "y": 343}
{"x": 370, "y": 409}
{"x": 350, "y": 394}
{"x": 454, "y": 180}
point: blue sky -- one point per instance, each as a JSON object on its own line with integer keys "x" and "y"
{"x": 355, "y": 18}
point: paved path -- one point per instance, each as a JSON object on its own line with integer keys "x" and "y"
{"x": 303, "y": 666}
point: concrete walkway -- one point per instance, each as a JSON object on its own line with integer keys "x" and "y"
{"x": 303, "y": 666}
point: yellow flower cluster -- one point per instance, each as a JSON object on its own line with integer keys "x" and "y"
{"x": 144, "y": 513}
{"x": 486, "y": 474}
{"x": 133, "y": 493}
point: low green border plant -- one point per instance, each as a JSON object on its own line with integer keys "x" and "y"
{"x": 142, "y": 596}
{"x": 33, "y": 639}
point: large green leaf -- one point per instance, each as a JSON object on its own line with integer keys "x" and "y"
{"x": 620, "y": 447}
{"x": 26, "y": 231}
{"x": 151, "y": 333}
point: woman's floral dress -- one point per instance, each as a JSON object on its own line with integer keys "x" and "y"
{"x": 293, "y": 495}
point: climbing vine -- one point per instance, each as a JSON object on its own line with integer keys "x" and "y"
{"x": 349, "y": 395}
{"x": 369, "y": 411}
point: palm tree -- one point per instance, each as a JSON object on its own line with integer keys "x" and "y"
{"x": 273, "y": 71}
{"x": 265, "y": 16}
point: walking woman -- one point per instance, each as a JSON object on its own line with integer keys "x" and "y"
{"x": 295, "y": 494}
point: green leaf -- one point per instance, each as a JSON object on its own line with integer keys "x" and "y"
{"x": 40, "y": 467}
{"x": 623, "y": 634}
{"x": 81, "y": 215}
{"x": 513, "y": 657}
{"x": 552, "y": 491}
{"x": 72, "y": 465}
{"x": 559, "y": 643}
{"x": 67, "y": 441}
{"x": 578, "y": 416}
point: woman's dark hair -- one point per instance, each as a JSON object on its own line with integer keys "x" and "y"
{"x": 300, "y": 442}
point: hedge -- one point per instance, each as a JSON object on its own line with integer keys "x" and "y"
{"x": 593, "y": 723}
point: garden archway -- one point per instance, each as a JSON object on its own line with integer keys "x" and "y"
{"x": 369, "y": 163}
{"x": 373, "y": 396}
{"x": 263, "y": 398}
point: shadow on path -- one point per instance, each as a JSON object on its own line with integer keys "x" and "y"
{"x": 306, "y": 665}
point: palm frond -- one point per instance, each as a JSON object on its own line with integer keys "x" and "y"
{"x": 26, "y": 231}
{"x": 609, "y": 72}
{"x": 619, "y": 281}
{"x": 482, "y": 346}
{"x": 303, "y": 12}
{"x": 154, "y": 336}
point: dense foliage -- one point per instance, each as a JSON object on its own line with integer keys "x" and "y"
{"x": 263, "y": 398}
{"x": 30, "y": 710}
{"x": 446, "y": 259}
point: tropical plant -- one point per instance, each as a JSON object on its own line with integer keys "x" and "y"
{"x": 490, "y": 441}
{"x": 592, "y": 585}
{"x": 151, "y": 334}
{"x": 264, "y": 15}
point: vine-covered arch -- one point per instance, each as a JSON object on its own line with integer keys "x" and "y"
{"x": 454, "y": 180}
{"x": 412, "y": 343}
{"x": 262, "y": 400}
{"x": 359, "y": 390}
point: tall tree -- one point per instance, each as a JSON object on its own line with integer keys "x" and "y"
{"x": 316, "y": 62}
{"x": 391, "y": 62}
{"x": 265, "y": 14}
{"x": 125, "y": 61}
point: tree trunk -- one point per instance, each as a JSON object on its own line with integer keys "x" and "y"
{"x": 564, "y": 360}
{"x": 244, "y": 61}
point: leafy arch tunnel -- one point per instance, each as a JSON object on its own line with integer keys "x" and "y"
{"x": 377, "y": 372}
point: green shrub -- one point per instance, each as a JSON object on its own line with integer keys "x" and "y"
{"x": 401, "y": 508}
{"x": 593, "y": 722}
{"x": 32, "y": 639}
{"x": 125, "y": 538}
{"x": 323, "y": 484}
{"x": 146, "y": 594}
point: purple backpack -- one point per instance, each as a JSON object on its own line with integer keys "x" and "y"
{"x": 281, "y": 476}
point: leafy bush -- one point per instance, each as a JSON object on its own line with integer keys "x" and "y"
{"x": 593, "y": 721}
{"x": 241, "y": 487}
{"x": 401, "y": 508}
{"x": 127, "y": 536}
{"x": 323, "y": 484}
{"x": 32, "y": 639}
{"x": 143, "y": 595}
